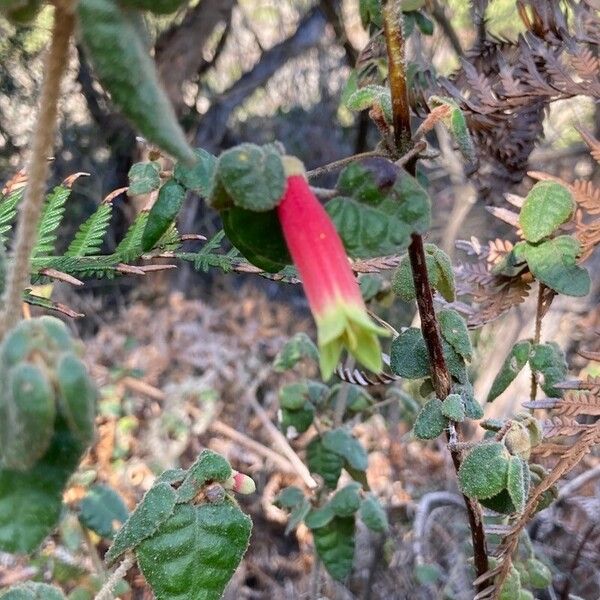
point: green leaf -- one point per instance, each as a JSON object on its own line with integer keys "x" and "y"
{"x": 373, "y": 515}
{"x": 428, "y": 573}
{"x": 162, "y": 214}
{"x": 158, "y": 7}
{"x": 454, "y": 331}
{"x": 453, "y": 408}
{"x": 512, "y": 585}
{"x": 253, "y": 177}
{"x": 444, "y": 279}
{"x": 324, "y": 462}
{"x": 335, "y": 546}
{"x": 379, "y": 207}
{"x": 31, "y": 501}
{"x": 209, "y": 467}
{"x": 347, "y": 446}
{"x": 553, "y": 262}
{"x": 290, "y": 497}
{"x": 370, "y": 12}
{"x": 409, "y": 357}
{"x": 125, "y": 69}
{"x": 33, "y": 591}
{"x": 297, "y": 348}
{"x": 430, "y": 422}
{"x": 515, "y": 361}
{"x": 8, "y": 212}
{"x": 549, "y": 360}
{"x": 88, "y": 239}
{"x": 426, "y": 27}
{"x": 455, "y": 121}
{"x": 319, "y": 517}
{"x": 540, "y": 576}
{"x": 193, "y": 554}
{"x": 300, "y": 419}
{"x": 144, "y": 177}
{"x": 199, "y": 176}
{"x": 547, "y": 206}
{"x": 50, "y": 219}
{"x": 369, "y": 96}
{"x": 346, "y": 501}
{"x": 258, "y": 237}
{"x": 484, "y": 471}
{"x": 130, "y": 247}
{"x": 293, "y": 396}
{"x": 517, "y": 483}
{"x": 103, "y": 511}
{"x": 473, "y": 409}
{"x": 298, "y": 514}
{"x": 155, "y": 508}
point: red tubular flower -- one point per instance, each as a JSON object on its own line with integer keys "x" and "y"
{"x": 331, "y": 288}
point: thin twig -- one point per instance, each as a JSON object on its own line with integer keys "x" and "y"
{"x": 106, "y": 593}
{"x": 41, "y": 147}
{"x": 539, "y": 315}
{"x": 442, "y": 382}
{"x": 338, "y": 164}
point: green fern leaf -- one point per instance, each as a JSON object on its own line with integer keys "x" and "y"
{"x": 170, "y": 240}
{"x": 52, "y": 215}
{"x": 130, "y": 247}
{"x": 88, "y": 239}
{"x": 82, "y": 267}
{"x": 8, "y": 212}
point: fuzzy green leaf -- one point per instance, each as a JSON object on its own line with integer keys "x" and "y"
{"x": 547, "y": 206}
{"x": 324, "y": 462}
{"x": 455, "y": 332}
{"x": 290, "y": 497}
{"x": 540, "y": 576}
{"x": 209, "y": 467}
{"x": 517, "y": 483}
{"x": 515, "y": 361}
{"x": 103, "y": 511}
{"x": 430, "y": 421}
{"x": 373, "y": 515}
{"x": 453, "y": 408}
{"x": 144, "y": 177}
{"x": 484, "y": 470}
{"x": 346, "y": 501}
{"x": 33, "y": 591}
{"x": 199, "y": 176}
{"x": 124, "y": 67}
{"x": 409, "y": 357}
{"x": 379, "y": 207}
{"x": 162, "y": 214}
{"x": 298, "y": 347}
{"x": 549, "y": 361}
{"x": 347, "y": 446}
{"x": 369, "y": 96}
{"x": 298, "y": 515}
{"x": 193, "y": 554}
{"x": 335, "y": 546}
{"x": 319, "y": 517}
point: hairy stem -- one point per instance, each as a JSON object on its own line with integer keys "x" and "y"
{"x": 106, "y": 593}
{"x": 41, "y": 147}
{"x": 539, "y": 315}
{"x": 440, "y": 375}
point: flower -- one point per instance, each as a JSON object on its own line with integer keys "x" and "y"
{"x": 329, "y": 283}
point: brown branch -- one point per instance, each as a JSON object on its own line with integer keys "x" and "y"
{"x": 442, "y": 381}
{"x": 30, "y": 210}
{"x": 539, "y": 315}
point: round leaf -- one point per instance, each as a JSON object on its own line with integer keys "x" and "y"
{"x": 484, "y": 470}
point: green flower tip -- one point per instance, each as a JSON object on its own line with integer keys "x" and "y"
{"x": 348, "y": 327}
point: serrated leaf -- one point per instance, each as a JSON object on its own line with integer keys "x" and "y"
{"x": 514, "y": 362}
{"x": 258, "y": 236}
{"x": 346, "y": 501}
{"x": 33, "y": 591}
{"x": 547, "y": 206}
{"x": 484, "y": 471}
{"x": 162, "y": 214}
{"x": 130, "y": 247}
{"x": 144, "y": 177}
{"x": 155, "y": 508}
{"x": 324, "y": 462}
{"x": 379, "y": 207}
{"x": 199, "y": 176}
{"x": 409, "y": 357}
{"x": 103, "y": 511}
{"x": 31, "y": 501}
{"x": 90, "y": 235}
{"x": 347, "y": 446}
{"x": 8, "y": 212}
{"x": 335, "y": 546}
{"x": 553, "y": 262}
{"x": 298, "y": 347}
{"x": 516, "y": 484}
{"x": 430, "y": 422}
{"x": 193, "y": 554}
{"x": 453, "y": 408}
{"x": 549, "y": 360}
{"x": 373, "y": 515}
{"x": 50, "y": 219}
{"x": 252, "y": 176}
{"x": 124, "y": 67}
{"x": 454, "y": 331}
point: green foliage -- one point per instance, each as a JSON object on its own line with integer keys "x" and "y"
{"x": 88, "y": 239}
{"x": 346, "y": 501}
{"x": 455, "y": 121}
{"x": 553, "y": 262}
{"x": 373, "y": 515}
{"x": 369, "y": 96}
{"x": 347, "y": 446}
{"x": 484, "y": 471}
{"x": 454, "y": 331}
{"x": 162, "y": 214}
{"x": 159, "y": 7}
{"x": 8, "y": 212}
{"x": 379, "y": 207}
{"x": 52, "y": 214}
{"x": 517, "y": 482}
{"x": 430, "y": 422}
{"x": 325, "y": 462}
{"x": 540, "y": 576}
{"x": 102, "y": 510}
{"x": 33, "y": 591}
{"x": 144, "y": 177}
{"x": 297, "y": 348}
{"x": 370, "y": 13}
{"x": 548, "y": 205}
{"x": 514, "y": 362}
{"x": 296, "y": 408}
{"x": 549, "y": 360}
{"x": 334, "y": 543}
{"x": 121, "y": 60}
{"x": 409, "y": 357}
{"x": 250, "y": 177}
{"x": 199, "y": 176}
{"x": 289, "y": 497}
{"x": 453, "y": 408}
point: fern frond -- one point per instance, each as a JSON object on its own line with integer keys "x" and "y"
{"x": 83, "y": 267}
{"x": 88, "y": 239}
{"x": 170, "y": 240}
{"x": 8, "y": 212}
{"x": 52, "y": 215}
{"x": 130, "y": 247}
